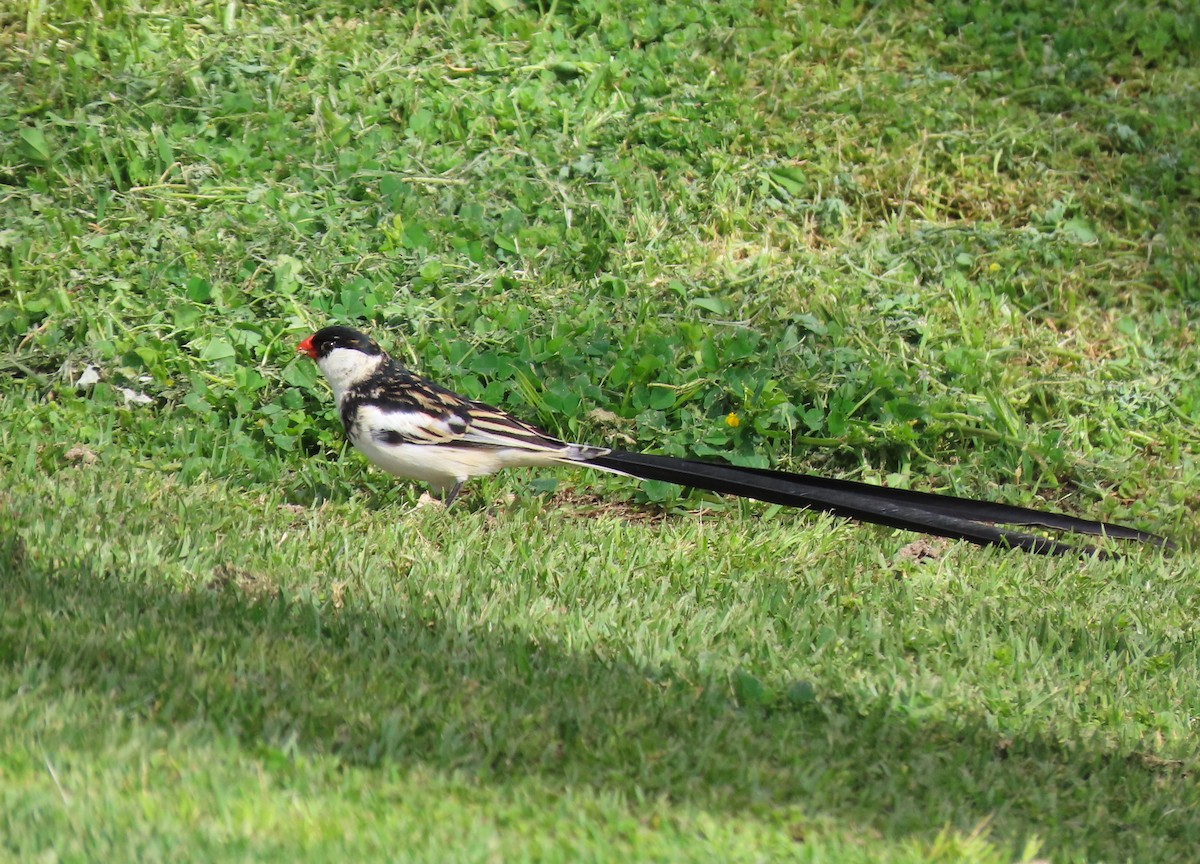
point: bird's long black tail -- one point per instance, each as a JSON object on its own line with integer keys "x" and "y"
{"x": 943, "y": 515}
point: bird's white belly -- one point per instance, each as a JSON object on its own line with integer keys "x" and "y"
{"x": 443, "y": 465}
{"x": 413, "y": 461}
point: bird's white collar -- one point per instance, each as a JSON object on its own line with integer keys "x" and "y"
{"x": 345, "y": 367}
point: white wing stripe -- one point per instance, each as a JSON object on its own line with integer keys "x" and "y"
{"x": 411, "y": 425}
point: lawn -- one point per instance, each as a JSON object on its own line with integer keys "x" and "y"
{"x": 944, "y": 246}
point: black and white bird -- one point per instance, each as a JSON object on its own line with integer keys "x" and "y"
{"x": 413, "y": 428}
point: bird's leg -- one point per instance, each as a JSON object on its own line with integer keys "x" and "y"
{"x": 448, "y": 495}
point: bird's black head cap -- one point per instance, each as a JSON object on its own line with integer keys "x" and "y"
{"x": 319, "y": 344}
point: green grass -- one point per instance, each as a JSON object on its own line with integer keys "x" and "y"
{"x": 943, "y": 247}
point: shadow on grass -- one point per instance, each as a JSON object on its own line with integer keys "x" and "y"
{"x": 379, "y": 686}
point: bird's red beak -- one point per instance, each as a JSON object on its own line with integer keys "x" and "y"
{"x": 307, "y": 347}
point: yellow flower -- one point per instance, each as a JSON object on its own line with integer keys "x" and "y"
{"x": 993, "y": 267}
{"x": 732, "y": 421}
